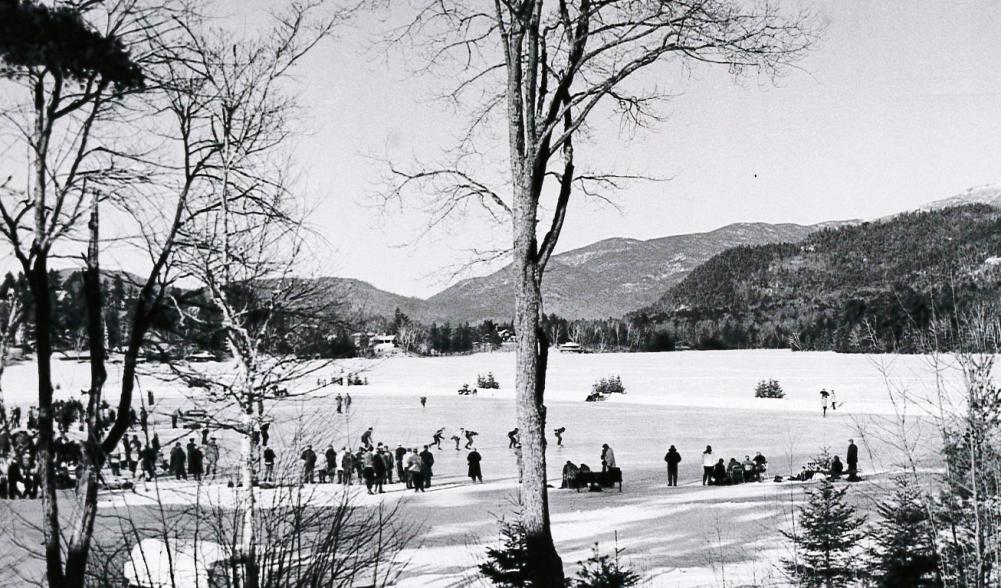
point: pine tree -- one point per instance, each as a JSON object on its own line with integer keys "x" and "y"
{"x": 507, "y": 566}
{"x": 904, "y": 552}
{"x": 604, "y": 571}
{"x": 829, "y": 540}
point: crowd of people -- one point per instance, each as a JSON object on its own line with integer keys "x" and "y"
{"x": 374, "y": 464}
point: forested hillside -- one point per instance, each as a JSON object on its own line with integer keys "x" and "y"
{"x": 868, "y": 287}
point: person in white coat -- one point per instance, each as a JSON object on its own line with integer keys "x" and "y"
{"x": 707, "y": 465}
{"x": 607, "y": 458}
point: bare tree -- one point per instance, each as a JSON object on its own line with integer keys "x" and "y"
{"x": 245, "y": 233}
{"x": 78, "y": 66}
{"x": 546, "y": 69}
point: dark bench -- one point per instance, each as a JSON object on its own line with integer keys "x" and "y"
{"x": 606, "y": 479}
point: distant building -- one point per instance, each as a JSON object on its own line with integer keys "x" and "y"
{"x": 382, "y": 344}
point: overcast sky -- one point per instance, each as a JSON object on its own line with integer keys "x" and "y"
{"x": 899, "y": 105}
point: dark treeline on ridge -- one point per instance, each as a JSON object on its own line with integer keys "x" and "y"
{"x": 873, "y": 287}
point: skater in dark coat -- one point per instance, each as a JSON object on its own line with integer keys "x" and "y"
{"x": 512, "y": 437}
{"x": 559, "y": 435}
{"x": 673, "y": 458}
{"x": 474, "y": 458}
{"x": 366, "y": 438}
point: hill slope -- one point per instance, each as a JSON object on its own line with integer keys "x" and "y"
{"x": 841, "y": 289}
{"x": 610, "y": 277}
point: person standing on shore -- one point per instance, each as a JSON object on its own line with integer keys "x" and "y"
{"x": 473, "y": 459}
{"x": 673, "y": 458}
{"x": 414, "y": 470}
{"x": 427, "y": 464}
{"x": 269, "y": 465}
{"x": 607, "y": 457}
{"x": 852, "y": 459}
{"x": 707, "y": 465}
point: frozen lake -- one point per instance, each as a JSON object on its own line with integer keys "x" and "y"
{"x": 689, "y": 399}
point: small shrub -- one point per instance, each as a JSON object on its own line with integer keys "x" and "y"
{"x": 612, "y": 385}
{"x": 769, "y": 389}
{"x": 604, "y": 571}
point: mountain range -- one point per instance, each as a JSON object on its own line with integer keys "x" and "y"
{"x": 609, "y": 278}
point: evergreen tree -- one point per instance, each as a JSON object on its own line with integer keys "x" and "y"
{"x": 828, "y": 543}
{"x": 904, "y": 552}
{"x": 604, "y": 571}
{"x": 507, "y": 566}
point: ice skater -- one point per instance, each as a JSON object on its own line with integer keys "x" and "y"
{"x": 469, "y": 439}
{"x": 559, "y": 435}
{"x": 824, "y": 395}
{"x": 512, "y": 437}
{"x": 437, "y": 437}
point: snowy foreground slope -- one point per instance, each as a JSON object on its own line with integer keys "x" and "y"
{"x": 685, "y": 536}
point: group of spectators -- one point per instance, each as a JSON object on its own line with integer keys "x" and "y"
{"x": 717, "y": 472}
{"x": 375, "y": 464}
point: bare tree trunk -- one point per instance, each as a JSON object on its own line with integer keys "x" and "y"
{"x": 78, "y": 547}
{"x": 248, "y": 538}
{"x": 532, "y": 349}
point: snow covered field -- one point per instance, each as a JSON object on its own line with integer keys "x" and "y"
{"x": 685, "y": 536}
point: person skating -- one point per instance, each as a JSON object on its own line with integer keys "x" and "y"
{"x": 457, "y": 437}
{"x": 824, "y": 395}
{"x": 473, "y": 459}
{"x": 708, "y": 462}
{"x": 438, "y": 436}
{"x": 347, "y": 401}
{"x": 834, "y": 400}
{"x": 852, "y": 459}
{"x": 559, "y": 435}
{"x": 424, "y": 401}
{"x": 366, "y": 438}
{"x": 607, "y": 457}
{"x": 673, "y": 458}
{"x": 177, "y": 462}
{"x": 340, "y": 403}
{"x": 469, "y": 438}
{"x": 308, "y": 458}
{"x": 512, "y": 437}
{"x": 427, "y": 464}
